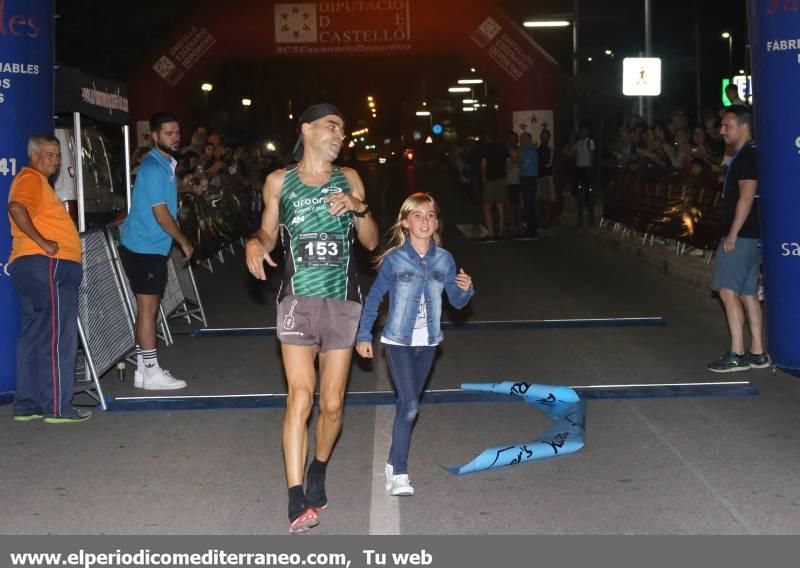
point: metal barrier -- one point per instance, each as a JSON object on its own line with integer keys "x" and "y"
{"x": 105, "y": 330}
{"x": 188, "y": 285}
{"x": 665, "y": 204}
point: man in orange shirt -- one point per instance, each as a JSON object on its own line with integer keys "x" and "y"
{"x": 45, "y": 268}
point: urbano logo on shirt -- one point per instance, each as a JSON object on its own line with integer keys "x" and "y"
{"x": 308, "y": 201}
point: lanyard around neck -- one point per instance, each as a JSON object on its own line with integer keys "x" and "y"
{"x": 730, "y": 166}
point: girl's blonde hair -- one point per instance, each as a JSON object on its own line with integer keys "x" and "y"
{"x": 399, "y": 234}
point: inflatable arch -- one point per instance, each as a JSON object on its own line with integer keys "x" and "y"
{"x": 525, "y": 76}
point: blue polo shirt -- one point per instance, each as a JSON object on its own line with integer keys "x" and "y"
{"x": 529, "y": 163}
{"x": 155, "y": 184}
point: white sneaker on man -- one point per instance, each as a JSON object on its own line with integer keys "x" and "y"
{"x": 401, "y": 485}
{"x": 162, "y": 380}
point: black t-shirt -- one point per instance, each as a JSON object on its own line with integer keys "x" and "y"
{"x": 744, "y": 166}
{"x": 495, "y": 155}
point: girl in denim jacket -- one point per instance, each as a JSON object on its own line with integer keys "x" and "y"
{"x": 415, "y": 271}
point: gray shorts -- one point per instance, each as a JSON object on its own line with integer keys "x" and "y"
{"x": 495, "y": 191}
{"x": 738, "y": 270}
{"x": 325, "y": 322}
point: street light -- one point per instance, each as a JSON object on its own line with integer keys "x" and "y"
{"x": 459, "y": 90}
{"x": 546, "y": 23}
{"x": 561, "y": 21}
{"x": 470, "y": 81}
{"x": 206, "y": 87}
{"x": 729, "y": 37}
{"x": 428, "y": 114}
{"x": 246, "y": 102}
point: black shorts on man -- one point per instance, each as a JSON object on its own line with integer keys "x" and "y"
{"x": 147, "y": 273}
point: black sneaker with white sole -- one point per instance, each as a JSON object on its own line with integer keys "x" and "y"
{"x": 760, "y": 361}
{"x": 77, "y": 415}
{"x": 730, "y": 362}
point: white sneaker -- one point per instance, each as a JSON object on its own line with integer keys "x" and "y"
{"x": 401, "y": 485}
{"x": 138, "y": 379}
{"x": 388, "y": 473}
{"x": 163, "y": 380}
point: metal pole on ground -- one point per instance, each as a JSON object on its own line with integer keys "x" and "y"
{"x": 648, "y": 50}
{"x": 575, "y": 111}
{"x": 79, "y": 166}
{"x": 126, "y": 137}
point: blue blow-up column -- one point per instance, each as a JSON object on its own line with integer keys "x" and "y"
{"x": 775, "y": 45}
{"x": 26, "y": 108}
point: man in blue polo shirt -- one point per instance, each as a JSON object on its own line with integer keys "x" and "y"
{"x": 146, "y": 240}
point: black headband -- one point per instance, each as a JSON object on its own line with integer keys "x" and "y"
{"x": 312, "y": 113}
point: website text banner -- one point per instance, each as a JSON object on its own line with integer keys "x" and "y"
{"x": 26, "y": 108}
{"x": 364, "y": 551}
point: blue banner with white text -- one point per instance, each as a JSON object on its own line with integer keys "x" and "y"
{"x": 775, "y": 41}
{"x": 26, "y": 108}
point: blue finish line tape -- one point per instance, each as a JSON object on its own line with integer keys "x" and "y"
{"x": 562, "y": 404}
{"x": 441, "y": 396}
{"x": 497, "y": 325}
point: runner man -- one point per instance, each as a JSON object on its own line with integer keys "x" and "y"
{"x": 318, "y": 209}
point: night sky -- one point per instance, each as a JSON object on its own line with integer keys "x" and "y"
{"x": 109, "y": 39}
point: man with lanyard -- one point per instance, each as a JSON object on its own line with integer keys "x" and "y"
{"x": 146, "y": 240}
{"x": 738, "y": 256}
{"x": 318, "y": 209}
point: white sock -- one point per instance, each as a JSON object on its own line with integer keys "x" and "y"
{"x": 150, "y": 361}
{"x": 139, "y": 360}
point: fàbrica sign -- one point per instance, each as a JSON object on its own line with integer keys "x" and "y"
{"x": 26, "y": 108}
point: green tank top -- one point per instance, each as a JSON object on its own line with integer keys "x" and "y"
{"x": 317, "y": 245}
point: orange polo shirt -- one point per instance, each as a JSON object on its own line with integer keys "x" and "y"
{"x": 32, "y": 190}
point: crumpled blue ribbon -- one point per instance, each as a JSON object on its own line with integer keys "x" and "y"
{"x": 560, "y": 403}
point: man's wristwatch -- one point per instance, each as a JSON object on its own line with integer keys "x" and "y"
{"x": 362, "y": 213}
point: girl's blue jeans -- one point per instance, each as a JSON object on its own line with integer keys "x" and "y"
{"x": 409, "y": 368}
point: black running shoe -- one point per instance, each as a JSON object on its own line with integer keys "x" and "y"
{"x": 315, "y": 492}
{"x": 729, "y": 363}
{"x": 77, "y": 415}
{"x": 760, "y": 361}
